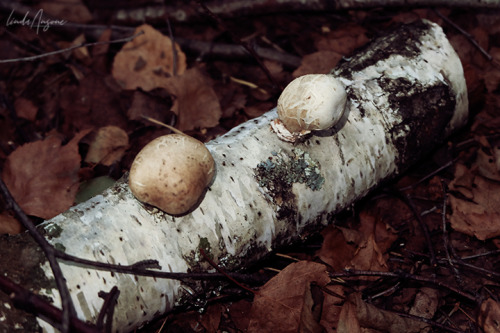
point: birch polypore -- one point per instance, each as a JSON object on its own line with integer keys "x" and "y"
{"x": 171, "y": 173}
{"x": 311, "y": 102}
{"x": 405, "y": 93}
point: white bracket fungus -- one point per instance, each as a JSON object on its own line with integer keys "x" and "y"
{"x": 309, "y": 103}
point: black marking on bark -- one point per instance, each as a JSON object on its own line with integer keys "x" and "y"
{"x": 382, "y": 48}
{"x": 425, "y": 112}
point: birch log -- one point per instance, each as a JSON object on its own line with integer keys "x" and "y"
{"x": 406, "y": 93}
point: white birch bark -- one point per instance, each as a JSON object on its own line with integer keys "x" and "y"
{"x": 268, "y": 192}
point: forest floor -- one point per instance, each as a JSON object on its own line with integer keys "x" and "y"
{"x": 420, "y": 253}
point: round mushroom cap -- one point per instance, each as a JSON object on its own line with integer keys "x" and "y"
{"x": 312, "y": 102}
{"x": 171, "y": 173}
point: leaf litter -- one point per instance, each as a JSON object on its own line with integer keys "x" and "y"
{"x": 47, "y": 154}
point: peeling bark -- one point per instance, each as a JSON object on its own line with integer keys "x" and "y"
{"x": 406, "y": 93}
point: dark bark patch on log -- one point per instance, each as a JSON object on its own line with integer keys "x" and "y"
{"x": 382, "y": 48}
{"x": 425, "y": 112}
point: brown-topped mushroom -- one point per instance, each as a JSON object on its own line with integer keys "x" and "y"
{"x": 171, "y": 173}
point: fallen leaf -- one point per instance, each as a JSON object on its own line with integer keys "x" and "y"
{"x": 94, "y": 102}
{"x": 348, "y": 319}
{"x": 359, "y": 315}
{"x": 369, "y": 257}
{"x": 426, "y": 303}
{"x": 108, "y": 146}
{"x": 195, "y": 103}
{"x": 489, "y": 316}
{"x": 239, "y": 313}
{"x": 321, "y": 62}
{"x": 278, "y": 307}
{"x": 343, "y": 41}
{"x": 384, "y": 235}
{"x": 258, "y": 110}
{"x": 43, "y": 175}
{"x": 311, "y": 311}
{"x": 476, "y": 213}
{"x": 335, "y": 251}
{"x": 150, "y": 106}
{"x": 211, "y": 317}
{"x": 332, "y": 307}
{"x": 99, "y": 51}
{"x": 147, "y": 62}
{"x": 25, "y": 109}
{"x": 9, "y": 225}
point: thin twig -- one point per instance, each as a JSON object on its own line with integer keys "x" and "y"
{"x": 220, "y": 270}
{"x": 446, "y": 242}
{"x": 466, "y": 34}
{"x": 431, "y": 322}
{"x": 403, "y": 275}
{"x": 174, "y": 50}
{"x": 71, "y": 48}
{"x": 246, "y": 45}
{"x": 421, "y": 180}
{"x": 107, "y": 309}
{"x": 406, "y": 198}
{"x": 33, "y": 303}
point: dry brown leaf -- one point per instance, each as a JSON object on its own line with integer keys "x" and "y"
{"x": 487, "y": 165}
{"x": 147, "y": 62}
{"x": 335, "y": 251}
{"x": 9, "y": 225}
{"x": 332, "y": 307}
{"x": 369, "y": 257}
{"x": 211, "y": 317}
{"x": 278, "y": 307}
{"x": 25, "y": 109}
{"x": 426, "y": 303}
{"x": 463, "y": 47}
{"x": 93, "y": 103}
{"x": 108, "y": 146}
{"x": 150, "y": 105}
{"x": 489, "y": 316}
{"x": 477, "y": 215}
{"x": 348, "y": 319}
{"x": 99, "y": 59}
{"x": 362, "y": 248}
{"x": 481, "y": 36}
{"x": 311, "y": 311}
{"x": 343, "y": 41}
{"x": 239, "y": 313}
{"x": 259, "y": 109}
{"x": 492, "y": 74}
{"x": 383, "y": 234}
{"x": 321, "y": 62}
{"x": 81, "y": 53}
{"x": 195, "y": 103}
{"x": 357, "y": 312}
{"x": 43, "y": 175}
